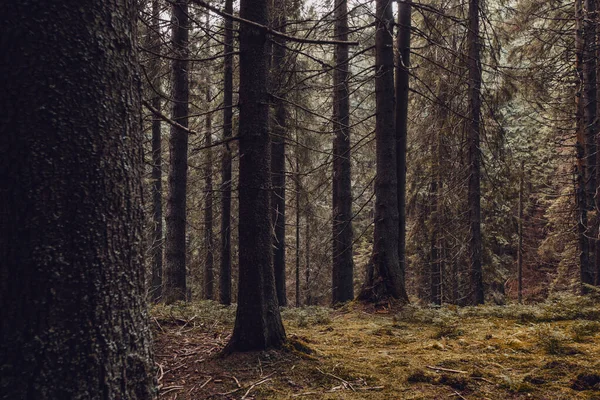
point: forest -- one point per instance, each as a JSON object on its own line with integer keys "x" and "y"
{"x": 279, "y": 199}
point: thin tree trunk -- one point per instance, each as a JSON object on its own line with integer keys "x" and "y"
{"x": 174, "y": 285}
{"x": 402, "y": 91}
{"x": 591, "y": 125}
{"x": 307, "y": 256}
{"x": 384, "y": 277}
{"x": 225, "y": 270}
{"x": 474, "y": 195}
{"x": 520, "y": 233}
{"x": 343, "y": 262}
{"x": 208, "y": 208}
{"x": 278, "y": 152}
{"x": 298, "y": 191}
{"x": 258, "y": 321}
{"x": 157, "y": 214}
{"x": 74, "y": 320}
{"x": 586, "y": 272}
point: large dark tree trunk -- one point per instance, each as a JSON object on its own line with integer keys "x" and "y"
{"x": 157, "y": 214}
{"x": 174, "y": 285}
{"x": 208, "y": 208}
{"x": 474, "y": 195}
{"x": 225, "y": 270}
{"x": 402, "y": 90}
{"x": 258, "y": 321}
{"x": 384, "y": 277}
{"x": 74, "y": 322}
{"x": 278, "y": 151}
{"x": 343, "y": 262}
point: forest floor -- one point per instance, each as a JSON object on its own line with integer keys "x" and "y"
{"x": 545, "y": 351}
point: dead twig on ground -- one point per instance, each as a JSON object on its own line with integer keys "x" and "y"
{"x": 456, "y": 371}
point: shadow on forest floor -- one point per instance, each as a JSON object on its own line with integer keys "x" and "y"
{"x": 547, "y": 351}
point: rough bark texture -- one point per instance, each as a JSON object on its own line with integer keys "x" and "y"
{"x": 278, "y": 151}
{"x": 209, "y": 274}
{"x": 586, "y": 272}
{"x": 73, "y": 317}
{"x": 343, "y": 262}
{"x": 474, "y": 190}
{"x": 157, "y": 214}
{"x": 258, "y": 321}
{"x": 520, "y": 234}
{"x": 225, "y": 268}
{"x": 402, "y": 90}
{"x": 384, "y": 278}
{"x": 174, "y": 285}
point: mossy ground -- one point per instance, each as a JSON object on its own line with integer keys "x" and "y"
{"x": 550, "y": 351}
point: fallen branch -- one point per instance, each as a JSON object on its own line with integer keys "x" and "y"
{"x": 456, "y": 371}
{"x": 345, "y": 382}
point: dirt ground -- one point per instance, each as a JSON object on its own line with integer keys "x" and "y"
{"x": 354, "y": 353}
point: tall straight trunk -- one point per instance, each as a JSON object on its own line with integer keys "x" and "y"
{"x": 278, "y": 151}
{"x": 174, "y": 285}
{"x": 520, "y": 234}
{"x": 586, "y": 272}
{"x": 402, "y": 90}
{"x": 157, "y": 214}
{"x": 343, "y": 262}
{"x": 208, "y": 208}
{"x": 434, "y": 274}
{"x": 298, "y": 191}
{"x": 307, "y": 257}
{"x": 596, "y": 231}
{"x": 74, "y": 321}
{"x": 474, "y": 190}
{"x": 258, "y": 321}
{"x": 225, "y": 268}
{"x": 591, "y": 125}
{"x": 384, "y": 276}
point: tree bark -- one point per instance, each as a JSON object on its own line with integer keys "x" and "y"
{"x": 278, "y": 150}
{"x": 225, "y": 268}
{"x": 520, "y": 234}
{"x": 157, "y": 214}
{"x": 258, "y": 321}
{"x": 474, "y": 191}
{"x": 74, "y": 322}
{"x": 174, "y": 285}
{"x": 343, "y": 262}
{"x": 402, "y": 91}
{"x": 208, "y": 208}
{"x": 384, "y": 277}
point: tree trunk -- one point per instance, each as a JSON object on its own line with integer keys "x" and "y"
{"x": 298, "y": 191}
{"x": 343, "y": 262}
{"x": 586, "y": 272}
{"x": 174, "y": 285}
{"x": 258, "y": 321}
{"x": 589, "y": 115}
{"x": 208, "y": 208}
{"x": 402, "y": 91}
{"x": 74, "y": 321}
{"x": 157, "y": 214}
{"x": 474, "y": 195}
{"x": 225, "y": 270}
{"x": 520, "y": 233}
{"x": 278, "y": 151}
{"x": 384, "y": 277}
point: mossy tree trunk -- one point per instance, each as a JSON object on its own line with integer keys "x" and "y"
{"x": 74, "y": 323}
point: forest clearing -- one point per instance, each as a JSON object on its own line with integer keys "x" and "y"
{"x": 546, "y": 351}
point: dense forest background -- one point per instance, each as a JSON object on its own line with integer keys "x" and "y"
{"x": 538, "y": 64}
